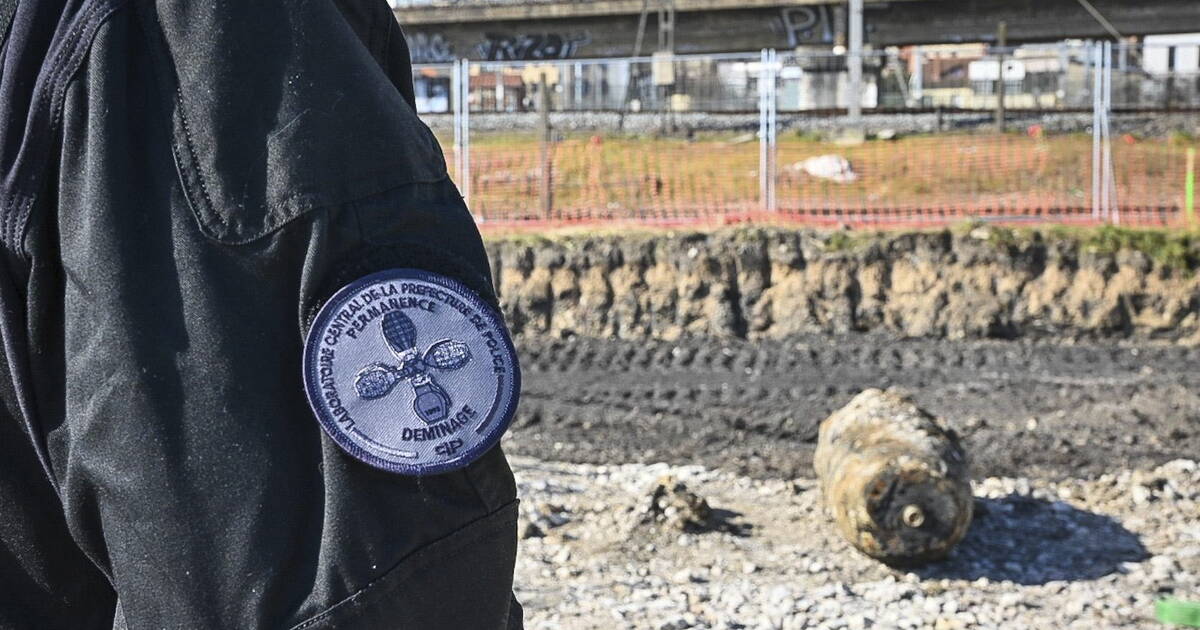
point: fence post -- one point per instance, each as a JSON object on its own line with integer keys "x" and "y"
{"x": 547, "y": 157}
{"x": 1001, "y": 44}
{"x": 465, "y": 96}
{"x": 762, "y": 128}
{"x": 456, "y": 108}
{"x": 1093, "y": 56}
{"x": 917, "y": 89}
{"x": 772, "y": 130}
{"x": 1110, "y": 177}
{"x": 766, "y": 129}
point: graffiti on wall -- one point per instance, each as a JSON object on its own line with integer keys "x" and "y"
{"x": 808, "y": 25}
{"x": 531, "y": 47}
{"x": 430, "y": 48}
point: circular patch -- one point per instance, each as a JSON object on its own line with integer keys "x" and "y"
{"x": 411, "y": 372}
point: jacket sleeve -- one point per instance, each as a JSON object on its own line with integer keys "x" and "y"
{"x": 225, "y": 167}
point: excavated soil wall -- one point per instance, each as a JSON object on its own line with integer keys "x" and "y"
{"x": 773, "y": 283}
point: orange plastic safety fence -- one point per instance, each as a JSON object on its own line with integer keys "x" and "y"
{"x": 920, "y": 180}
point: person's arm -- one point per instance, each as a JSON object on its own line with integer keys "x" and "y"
{"x": 221, "y": 172}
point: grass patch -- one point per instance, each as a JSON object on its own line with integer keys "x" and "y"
{"x": 1175, "y": 249}
{"x": 848, "y": 241}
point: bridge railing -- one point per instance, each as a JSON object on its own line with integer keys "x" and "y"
{"x": 668, "y": 139}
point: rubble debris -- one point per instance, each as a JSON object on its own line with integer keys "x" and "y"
{"x": 671, "y": 505}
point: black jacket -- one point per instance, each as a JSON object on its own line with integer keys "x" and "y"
{"x": 183, "y": 185}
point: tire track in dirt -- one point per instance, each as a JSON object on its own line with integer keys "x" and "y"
{"x": 753, "y": 407}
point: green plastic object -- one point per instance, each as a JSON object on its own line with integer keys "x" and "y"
{"x": 1178, "y": 612}
{"x": 1189, "y": 188}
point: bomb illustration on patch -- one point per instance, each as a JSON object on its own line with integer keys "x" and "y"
{"x": 411, "y": 372}
{"x": 432, "y": 402}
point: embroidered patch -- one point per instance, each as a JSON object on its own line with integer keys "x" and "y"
{"x": 411, "y": 372}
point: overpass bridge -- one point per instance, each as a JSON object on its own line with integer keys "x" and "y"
{"x": 511, "y": 30}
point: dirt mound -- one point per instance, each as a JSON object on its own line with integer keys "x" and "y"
{"x": 771, "y": 283}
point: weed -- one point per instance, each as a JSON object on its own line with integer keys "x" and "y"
{"x": 1169, "y": 248}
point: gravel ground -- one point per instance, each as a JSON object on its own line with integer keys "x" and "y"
{"x": 1036, "y": 409}
{"x": 599, "y": 552}
{"x": 1087, "y": 492}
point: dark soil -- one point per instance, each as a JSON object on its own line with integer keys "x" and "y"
{"x": 1024, "y": 409}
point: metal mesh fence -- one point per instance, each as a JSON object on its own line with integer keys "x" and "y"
{"x": 732, "y": 137}
{"x": 596, "y": 178}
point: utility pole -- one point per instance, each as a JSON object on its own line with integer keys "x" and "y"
{"x": 918, "y": 77}
{"x": 855, "y": 66}
{"x": 1169, "y": 86}
{"x": 1001, "y": 44}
